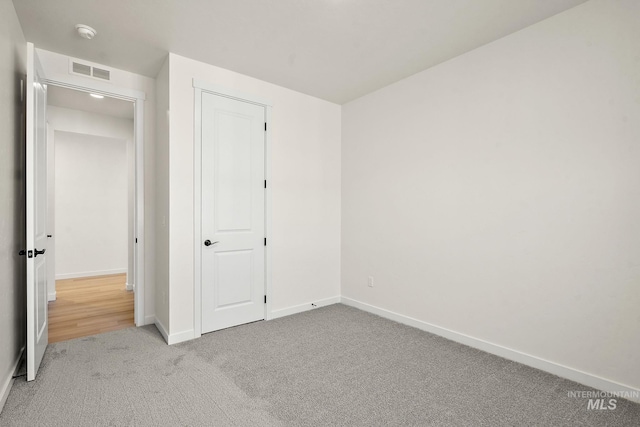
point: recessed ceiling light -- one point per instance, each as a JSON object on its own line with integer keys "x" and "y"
{"x": 86, "y": 31}
{"x": 95, "y": 95}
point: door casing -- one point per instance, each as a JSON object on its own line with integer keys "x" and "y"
{"x": 138, "y": 99}
{"x": 199, "y": 87}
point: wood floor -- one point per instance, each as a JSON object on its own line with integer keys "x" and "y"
{"x": 89, "y": 306}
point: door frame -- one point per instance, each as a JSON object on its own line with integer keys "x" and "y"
{"x": 138, "y": 99}
{"x": 200, "y": 87}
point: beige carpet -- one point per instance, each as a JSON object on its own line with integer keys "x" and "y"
{"x": 330, "y": 366}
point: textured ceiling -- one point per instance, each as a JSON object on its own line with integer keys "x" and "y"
{"x": 337, "y": 50}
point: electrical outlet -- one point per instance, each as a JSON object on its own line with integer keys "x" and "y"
{"x": 370, "y": 282}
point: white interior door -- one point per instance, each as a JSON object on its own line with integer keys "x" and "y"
{"x": 233, "y": 212}
{"x": 36, "y": 213}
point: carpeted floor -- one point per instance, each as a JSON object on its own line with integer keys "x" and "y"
{"x": 330, "y": 366}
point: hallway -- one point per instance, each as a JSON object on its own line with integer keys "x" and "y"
{"x": 89, "y": 306}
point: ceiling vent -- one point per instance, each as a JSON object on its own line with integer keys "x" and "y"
{"x": 89, "y": 70}
{"x": 77, "y": 68}
{"x": 99, "y": 73}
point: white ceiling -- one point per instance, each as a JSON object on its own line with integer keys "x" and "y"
{"x": 337, "y": 50}
{"x": 77, "y": 100}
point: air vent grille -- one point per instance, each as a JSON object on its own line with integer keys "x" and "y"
{"x": 79, "y": 68}
{"x": 101, "y": 74}
{"x": 85, "y": 70}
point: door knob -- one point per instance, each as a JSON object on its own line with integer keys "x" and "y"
{"x": 209, "y": 242}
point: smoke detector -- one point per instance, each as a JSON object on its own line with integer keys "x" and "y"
{"x": 86, "y": 31}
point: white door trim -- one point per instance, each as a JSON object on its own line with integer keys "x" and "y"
{"x": 230, "y": 93}
{"x": 138, "y": 98}
{"x": 199, "y": 87}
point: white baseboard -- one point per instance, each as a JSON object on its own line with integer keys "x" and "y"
{"x": 149, "y": 319}
{"x": 302, "y": 307}
{"x": 51, "y": 296}
{"x": 130, "y": 288}
{"x": 8, "y": 382}
{"x": 173, "y": 338}
{"x": 162, "y": 330}
{"x": 572, "y": 374}
{"x": 90, "y": 273}
{"x": 181, "y": 337}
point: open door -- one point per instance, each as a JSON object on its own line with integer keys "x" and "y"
{"x": 36, "y": 213}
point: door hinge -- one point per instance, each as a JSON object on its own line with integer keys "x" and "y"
{"x": 265, "y": 183}
{"x": 136, "y": 240}
{"x": 265, "y": 241}
{"x": 265, "y": 126}
{"x": 265, "y": 299}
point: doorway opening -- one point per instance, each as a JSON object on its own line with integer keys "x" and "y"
{"x": 91, "y": 213}
{"x": 37, "y": 251}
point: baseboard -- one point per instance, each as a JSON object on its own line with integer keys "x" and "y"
{"x": 173, "y": 338}
{"x": 8, "y": 383}
{"x": 162, "y": 330}
{"x": 90, "y": 273}
{"x": 180, "y": 337}
{"x": 129, "y": 288}
{"x": 149, "y": 319}
{"x": 562, "y": 371}
{"x": 302, "y": 307}
{"x": 51, "y": 296}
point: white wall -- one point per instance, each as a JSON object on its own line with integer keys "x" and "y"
{"x": 61, "y": 122}
{"x": 305, "y": 186}
{"x": 56, "y": 65}
{"x": 498, "y": 194}
{"x": 12, "y": 198}
{"x": 91, "y": 205}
